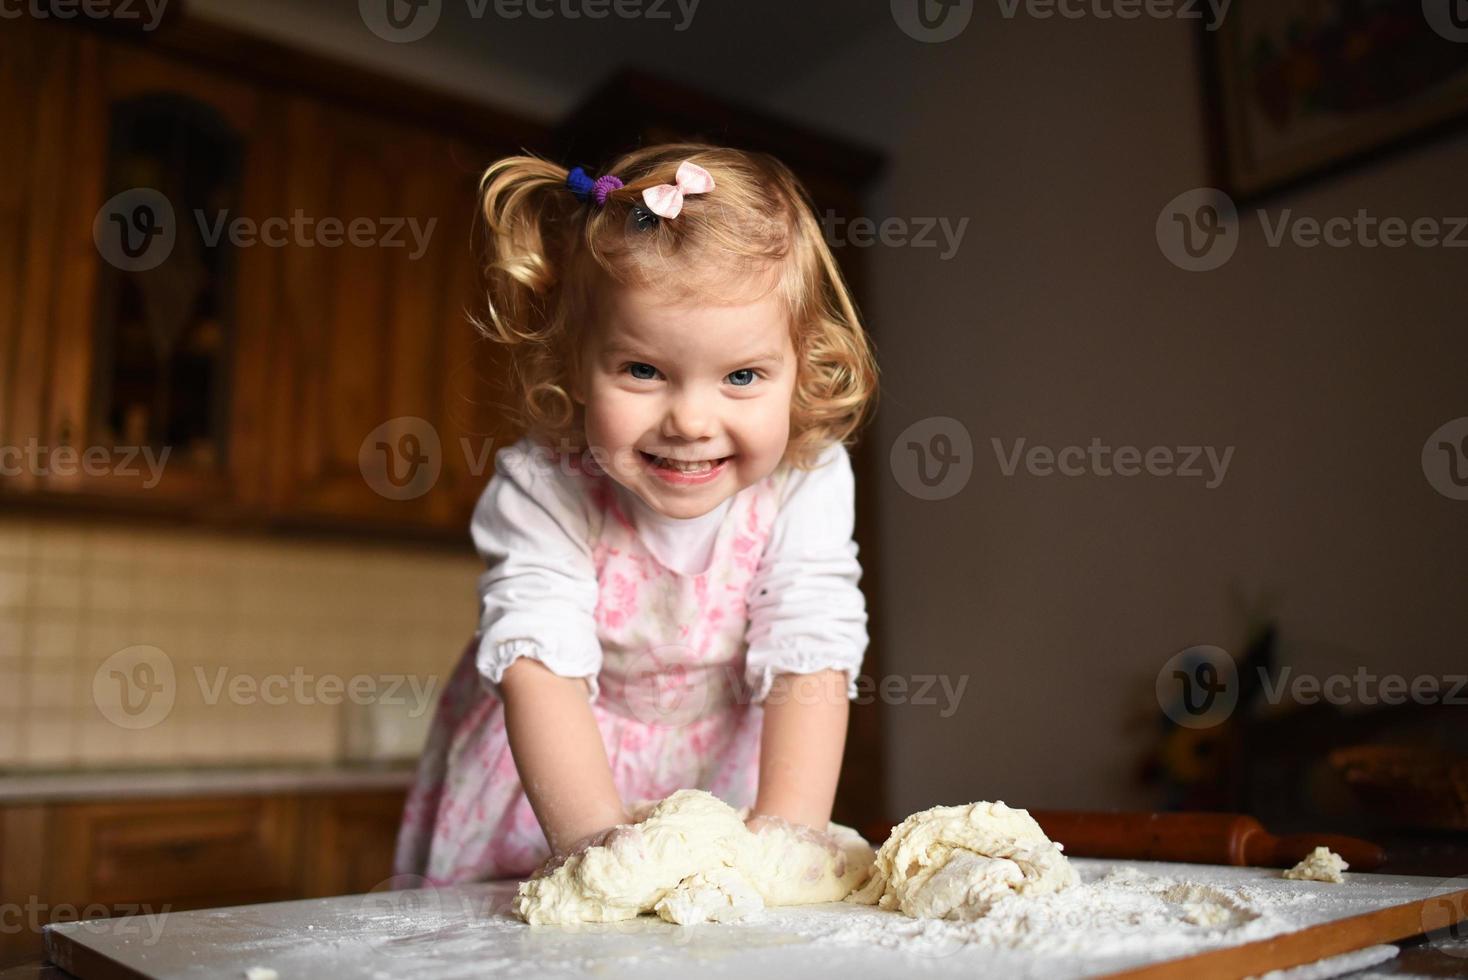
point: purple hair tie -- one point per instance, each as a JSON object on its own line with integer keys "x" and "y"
{"x": 604, "y": 185}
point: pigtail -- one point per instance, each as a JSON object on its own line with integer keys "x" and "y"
{"x": 530, "y": 223}
{"x": 526, "y": 210}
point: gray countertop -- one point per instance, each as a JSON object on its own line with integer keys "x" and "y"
{"x": 21, "y": 786}
{"x": 466, "y": 931}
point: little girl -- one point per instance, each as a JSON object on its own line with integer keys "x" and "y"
{"x": 671, "y": 597}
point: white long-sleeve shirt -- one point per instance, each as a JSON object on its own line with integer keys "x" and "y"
{"x": 539, "y": 592}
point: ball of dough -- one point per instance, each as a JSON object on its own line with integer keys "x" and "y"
{"x": 691, "y": 859}
{"x": 955, "y": 862}
{"x": 689, "y": 832}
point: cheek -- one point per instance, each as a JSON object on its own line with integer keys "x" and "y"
{"x": 612, "y": 414}
{"x": 767, "y": 424}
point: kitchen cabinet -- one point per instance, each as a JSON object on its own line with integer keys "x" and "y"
{"x": 380, "y": 376}
{"x": 349, "y": 842}
{"x": 106, "y": 366}
{"x": 179, "y": 853}
{"x": 159, "y": 855}
{"x": 230, "y": 297}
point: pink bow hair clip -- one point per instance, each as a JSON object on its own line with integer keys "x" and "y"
{"x": 667, "y": 199}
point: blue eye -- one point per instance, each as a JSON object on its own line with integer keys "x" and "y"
{"x": 636, "y": 366}
{"x": 735, "y": 376}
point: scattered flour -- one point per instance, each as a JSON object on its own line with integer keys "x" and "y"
{"x": 1123, "y": 913}
{"x": 1112, "y": 918}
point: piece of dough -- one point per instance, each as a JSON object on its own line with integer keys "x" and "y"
{"x": 955, "y": 862}
{"x": 674, "y": 859}
{"x": 721, "y": 895}
{"x": 1321, "y": 864}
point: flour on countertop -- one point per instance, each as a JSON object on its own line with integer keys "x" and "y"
{"x": 1122, "y": 913}
{"x": 1117, "y": 916}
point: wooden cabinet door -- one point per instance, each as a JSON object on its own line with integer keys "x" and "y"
{"x": 46, "y": 257}
{"x": 59, "y": 277}
{"x": 472, "y": 425}
{"x": 178, "y": 853}
{"x": 350, "y": 839}
{"x": 378, "y": 370}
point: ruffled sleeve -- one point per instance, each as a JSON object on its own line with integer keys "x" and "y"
{"x": 806, "y": 612}
{"x": 538, "y": 593}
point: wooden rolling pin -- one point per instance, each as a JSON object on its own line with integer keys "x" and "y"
{"x": 1195, "y": 838}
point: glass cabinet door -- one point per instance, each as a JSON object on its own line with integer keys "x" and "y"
{"x": 166, "y": 280}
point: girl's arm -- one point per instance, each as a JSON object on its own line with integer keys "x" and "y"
{"x": 801, "y": 745}
{"x": 538, "y": 648}
{"x": 807, "y": 634}
{"x": 559, "y": 753}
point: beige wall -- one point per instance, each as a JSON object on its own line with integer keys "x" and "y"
{"x": 1060, "y": 320}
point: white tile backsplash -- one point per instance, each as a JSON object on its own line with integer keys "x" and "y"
{"x": 73, "y": 594}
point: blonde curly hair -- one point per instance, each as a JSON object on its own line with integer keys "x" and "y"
{"x": 550, "y": 257}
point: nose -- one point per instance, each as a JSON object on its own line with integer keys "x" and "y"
{"x": 690, "y": 415}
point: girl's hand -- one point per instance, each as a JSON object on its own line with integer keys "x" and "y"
{"x": 607, "y": 837}
{"x": 798, "y": 833}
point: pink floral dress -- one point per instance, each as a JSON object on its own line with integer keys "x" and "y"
{"x": 673, "y": 710}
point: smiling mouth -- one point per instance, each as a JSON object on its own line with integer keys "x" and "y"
{"x": 684, "y": 466}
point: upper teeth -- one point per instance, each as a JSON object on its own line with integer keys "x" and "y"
{"x": 687, "y": 466}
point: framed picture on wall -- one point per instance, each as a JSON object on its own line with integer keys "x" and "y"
{"x": 1298, "y": 88}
